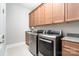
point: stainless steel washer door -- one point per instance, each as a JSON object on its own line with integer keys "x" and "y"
{"x": 45, "y": 47}
{"x": 33, "y": 44}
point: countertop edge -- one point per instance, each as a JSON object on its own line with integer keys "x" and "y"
{"x": 76, "y": 40}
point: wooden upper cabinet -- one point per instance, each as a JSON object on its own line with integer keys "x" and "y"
{"x": 36, "y": 19}
{"x": 41, "y": 15}
{"x": 31, "y": 19}
{"x": 58, "y": 12}
{"x": 48, "y": 13}
{"x": 72, "y": 11}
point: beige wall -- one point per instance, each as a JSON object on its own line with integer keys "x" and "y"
{"x": 70, "y": 27}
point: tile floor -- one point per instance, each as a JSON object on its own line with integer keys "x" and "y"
{"x": 20, "y": 50}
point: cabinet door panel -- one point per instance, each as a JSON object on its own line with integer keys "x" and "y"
{"x": 58, "y": 12}
{"x": 73, "y": 11}
{"x": 36, "y": 22}
{"x": 41, "y": 15}
{"x": 70, "y": 48}
{"x": 31, "y": 19}
{"x": 48, "y": 13}
{"x": 37, "y": 16}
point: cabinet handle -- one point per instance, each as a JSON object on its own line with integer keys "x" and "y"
{"x": 45, "y": 40}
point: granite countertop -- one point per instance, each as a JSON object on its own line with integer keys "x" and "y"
{"x": 73, "y": 39}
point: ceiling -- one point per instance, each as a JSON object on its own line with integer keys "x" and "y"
{"x": 30, "y": 6}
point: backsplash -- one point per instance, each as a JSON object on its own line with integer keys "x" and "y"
{"x": 69, "y": 27}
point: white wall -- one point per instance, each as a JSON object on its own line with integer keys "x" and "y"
{"x": 17, "y": 23}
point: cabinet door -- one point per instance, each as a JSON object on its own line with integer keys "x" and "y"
{"x": 70, "y": 48}
{"x": 37, "y": 16}
{"x": 72, "y": 11}
{"x": 48, "y": 13}
{"x": 31, "y": 20}
{"x": 41, "y": 15}
{"x": 58, "y": 12}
